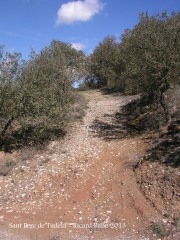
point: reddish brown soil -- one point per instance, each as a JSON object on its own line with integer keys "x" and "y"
{"x": 79, "y": 188}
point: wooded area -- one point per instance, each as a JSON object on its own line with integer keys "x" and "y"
{"x": 36, "y": 95}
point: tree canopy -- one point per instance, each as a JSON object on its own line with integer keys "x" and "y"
{"x": 146, "y": 59}
{"x": 38, "y": 92}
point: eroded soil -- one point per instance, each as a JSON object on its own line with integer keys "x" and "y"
{"x": 83, "y": 187}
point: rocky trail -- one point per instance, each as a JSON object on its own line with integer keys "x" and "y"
{"x": 82, "y": 187}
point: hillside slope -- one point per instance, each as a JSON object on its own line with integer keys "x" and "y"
{"x": 82, "y": 187}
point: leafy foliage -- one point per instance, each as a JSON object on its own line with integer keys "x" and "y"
{"x": 10, "y": 71}
{"x": 146, "y": 60}
{"x": 105, "y": 64}
{"x": 38, "y": 94}
{"x": 151, "y": 52}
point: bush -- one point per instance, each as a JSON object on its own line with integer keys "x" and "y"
{"x": 36, "y": 96}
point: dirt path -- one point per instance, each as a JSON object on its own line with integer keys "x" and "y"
{"x": 80, "y": 188}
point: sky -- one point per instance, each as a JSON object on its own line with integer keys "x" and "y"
{"x": 33, "y": 24}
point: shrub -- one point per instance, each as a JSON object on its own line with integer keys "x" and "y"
{"x": 37, "y": 95}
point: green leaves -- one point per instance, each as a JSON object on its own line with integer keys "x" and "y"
{"x": 38, "y": 93}
{"x": 106, "y": 64}
{"x": 146, "y": 60}
{"x": 150, "y": 52}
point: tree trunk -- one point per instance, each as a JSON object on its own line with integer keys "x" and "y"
{"x": 7, "y": 125}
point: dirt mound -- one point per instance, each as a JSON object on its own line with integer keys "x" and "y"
{"x": 160, "y": 184}
{"x": 158, "y": 176}
{"x": 157, "y": 172}
{"x": 166, "y": 147}
{"x": 141, "y": 117}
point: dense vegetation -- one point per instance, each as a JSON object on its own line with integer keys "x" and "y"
{"x": 36, "y": 95}
{"x": 146, "y": 59}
